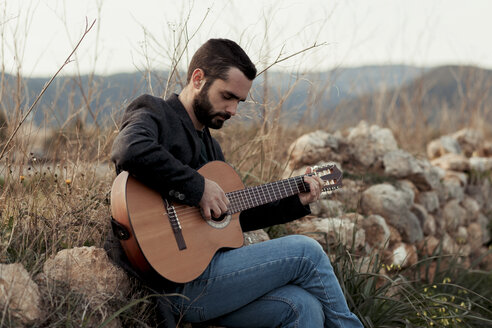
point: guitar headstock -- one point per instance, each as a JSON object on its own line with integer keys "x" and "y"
{"x": 331, "y": 176}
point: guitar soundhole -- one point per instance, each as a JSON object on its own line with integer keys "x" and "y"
{"x": 220, "y": 222}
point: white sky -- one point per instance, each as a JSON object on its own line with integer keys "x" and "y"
{"x": 40, "y": 34}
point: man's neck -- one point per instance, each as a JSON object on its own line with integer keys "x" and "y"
{"x": 186, "y": 98}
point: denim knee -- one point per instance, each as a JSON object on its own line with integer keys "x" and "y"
{"x": 300, "y": 308}
{"x": 309, "y": 246}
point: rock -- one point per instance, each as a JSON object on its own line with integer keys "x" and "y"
{"x": 485, "y": 226}
{"x": 400, "y": 164}
{"x": 443, "y": 145}
{"x": 327, "y": 208}
{"x": 475, "y": 236}
{"x": 350, "y": 194}
{"x": 464, "y": 251}
{"x": 395, "y": 236}
{"x": 469, "y": 140}
{"x": 428, "y": 199}
{"x": 428, "y": 179}
{"x": 404, "y": 255}
{"x": 311, "y": 148}
{"x": 88, "y": 270}
{"x": 484, "y": 255}
{"x": 481, "y": 164}
{"x": 454, "y": 215}
{"x": 461, "y": 235}
{"x": 420, "y": 212}
{"x": 428, "y": 272}
{"x": 451, "y": 188}
{"x": 472, "y": 208}
{"x": 481, "y": 193}
{"x": 428, "y": 245}
{"x": 449, "y": 246}
{"x": 368, "y": 144}
{"x": 255, "y": 236}
{"x": 19, "y": 294}
{"x": 408, "y": 187}
{"x": 430, "y": 226}
{"x": 330, "y": 231}
{"x": 393, "y": 205}
{"x": 485, "y": 149}
{"x": 454, "y": 162}
{"x": 377, "y": 232}
{"x": 459, "y": 176}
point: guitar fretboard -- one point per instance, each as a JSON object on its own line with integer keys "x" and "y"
{"x": 244, "y": 199}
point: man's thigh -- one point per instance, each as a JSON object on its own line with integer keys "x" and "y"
{"x": 237, "y": 277}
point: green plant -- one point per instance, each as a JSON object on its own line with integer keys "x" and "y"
{"x": 437, "y": 291}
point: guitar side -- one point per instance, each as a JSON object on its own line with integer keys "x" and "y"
{"x": 154, "y": 241}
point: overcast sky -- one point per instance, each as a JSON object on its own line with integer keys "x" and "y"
{"x": 131, "y": 35}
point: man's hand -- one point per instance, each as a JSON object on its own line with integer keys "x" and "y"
{"x": 315, "y": 185}
{"x": 214, "y": 201}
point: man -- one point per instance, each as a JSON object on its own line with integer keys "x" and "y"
{"x": 287, "y": 282}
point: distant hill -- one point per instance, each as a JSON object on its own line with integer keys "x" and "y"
{"x": 352, "y": 93}
{"x": 447, "y": 93}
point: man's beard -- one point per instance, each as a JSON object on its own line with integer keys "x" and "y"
{"x": 205, "y": 113}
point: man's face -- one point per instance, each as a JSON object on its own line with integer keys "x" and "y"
{"x": 217, "y": 101}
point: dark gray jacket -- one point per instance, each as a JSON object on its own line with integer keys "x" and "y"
{"x": 159, "y": 145}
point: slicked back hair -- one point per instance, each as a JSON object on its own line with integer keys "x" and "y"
{"x": 216, "y": 56}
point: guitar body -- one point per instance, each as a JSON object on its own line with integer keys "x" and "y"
{"x": 152, "y": 241}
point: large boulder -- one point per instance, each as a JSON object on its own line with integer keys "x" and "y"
{"x": 377, "y": 232}
{"x": 255, "y": 236}
{"x": 454, "y": 215}
{"x": 485, "y": 149}
{"x": 453, "y": 162}
{"x": 395, "y": 206}
{"x": 330, "y": 231}
{"x": 469, "y": 140}
{"x": 401, "y": 164}
{"x": 452, "y": 187}
{"x": 481, "y": 164}
{"x": 428, "y": 199}
{"x": 312, "y": 148}
{"x": 327, "y": 208}
{"x": 19, "y": 294}
{"x": 482, "y": 194}
{"x": 472, "y": 208}
{"x": 368, "y": 144}
{"x": 89, "y": 271}
{"x": 443, "y": 145}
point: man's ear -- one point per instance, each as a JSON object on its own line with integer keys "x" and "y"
{"x": 198, "y": 78}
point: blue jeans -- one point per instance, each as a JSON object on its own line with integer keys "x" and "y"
{"x": 286, "y": 282}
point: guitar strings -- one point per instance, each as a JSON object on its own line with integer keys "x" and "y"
{"x": 257, "y": 195}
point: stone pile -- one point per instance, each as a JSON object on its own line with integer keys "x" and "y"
{"x": 397, "y": 203}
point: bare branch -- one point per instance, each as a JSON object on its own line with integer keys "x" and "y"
{"x": 279, "y": 60}
{"x": 45, "y": 87}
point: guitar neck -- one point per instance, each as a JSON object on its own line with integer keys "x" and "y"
{"x": 244, "y": 199}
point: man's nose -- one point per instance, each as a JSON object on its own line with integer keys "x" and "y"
{"x": 232, "y": 108}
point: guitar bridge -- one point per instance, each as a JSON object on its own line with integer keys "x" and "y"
{"x": 175, "y": 225}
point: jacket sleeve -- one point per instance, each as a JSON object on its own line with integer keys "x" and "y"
{"x": 282, "y": 211}
{"x": 137, "y": 150}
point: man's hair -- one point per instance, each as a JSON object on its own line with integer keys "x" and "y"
{"x": 216, "y": 56}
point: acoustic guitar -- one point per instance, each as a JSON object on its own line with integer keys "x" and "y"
{"x": 174, "y": 239}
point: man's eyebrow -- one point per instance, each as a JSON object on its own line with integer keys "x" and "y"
{"x": 233, "y": 95}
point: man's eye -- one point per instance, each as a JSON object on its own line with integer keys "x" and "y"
{"x": 227, "y": 97}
